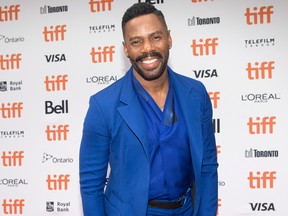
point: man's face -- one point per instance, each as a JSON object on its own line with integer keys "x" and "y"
{"x": 146, "y": 43}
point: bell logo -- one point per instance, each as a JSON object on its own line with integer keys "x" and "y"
{"x": 12, "y": 158}
{"x": 214, "y": 97}
{"x": 13, "y": 207}
{"x": 100, "y": 5}
{"x": 261, "y": 180}
{"x": 261, "y": 126}
{"x": 58, "y": 182}
{"x": 55, "y": 33}
{"x": 103, "y": 54}
{"x": 204, "y": 47}
{"x": 258, "y": 16}
{"x": 261, "y": 70}
{"x": 9, "y": 13}
{"x": 10, "y": 62}
{"x": 9, "y": 110}
{"x": 56, "y": 83}
{"x": 57, "y": 132}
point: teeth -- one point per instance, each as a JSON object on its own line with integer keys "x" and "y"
{"x": 149, "y": 61}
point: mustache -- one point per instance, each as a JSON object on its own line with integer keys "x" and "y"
{"x": 150, "y": 54}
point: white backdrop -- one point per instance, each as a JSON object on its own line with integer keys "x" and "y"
{"x": 55, "y": 54}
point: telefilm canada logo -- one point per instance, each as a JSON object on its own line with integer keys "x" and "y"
{"x": 12, "y": 134}
{"x": 259, "y": 42}
{"x": 52, "y": 206}
{"x": 102, "y": 28}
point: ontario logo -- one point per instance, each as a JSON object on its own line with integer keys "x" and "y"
{"x": 56, "y": 160}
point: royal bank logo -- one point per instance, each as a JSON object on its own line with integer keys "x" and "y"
{"x": 259, "y": 42}
{"x": 56, "y": 160}
{"x": 11, "y": 134}
{"x": 52, "y": 206}
{"x": 102, "y": 28}
{"x": 195, "y": 21}
{"x": 11, "y": 86}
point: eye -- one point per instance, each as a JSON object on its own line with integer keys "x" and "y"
{"x": 135, "y": 42}
{"x": 156, "y": 37}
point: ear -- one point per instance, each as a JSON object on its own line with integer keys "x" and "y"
{"x": 125, "y": 49}
{"x": 169, "y": 39}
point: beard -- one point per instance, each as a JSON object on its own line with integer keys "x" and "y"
{"x": 151, "y": 75}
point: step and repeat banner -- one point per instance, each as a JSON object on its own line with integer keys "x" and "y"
{"x": 55, "y": 54}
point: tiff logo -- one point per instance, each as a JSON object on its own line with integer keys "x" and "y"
{"x": 260, "y": 71}
{"x": 10, "y": 61}
{"x": 214, "y": 97}
{"x": 9, "y": 13}
{"x": 59, "y": 182}
{"x": 57, "y": 132}
{"x": 219, "y": 205}
{"x": 259, "y": 16}
{"x": 218, "y": 149}
{"x": 9, "y": 110}
{"x": 12, "y": 158}
{"x": 261, "y": 126}
{"x": 103, "y": 54}
{"x": 100, "y": 5}
{"x": 204, "y": 47}
{"x": 261, "y": 180}
{"x": 56, "y": 83}
{"x": 13, "y": 207}
{"x": 55, "y": 33}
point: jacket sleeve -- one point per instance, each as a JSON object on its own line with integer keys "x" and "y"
{"x": 93, "y": 159}
{"x": 209, "y": 190}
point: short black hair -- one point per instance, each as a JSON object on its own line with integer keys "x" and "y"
{"x": 139, "y": 9}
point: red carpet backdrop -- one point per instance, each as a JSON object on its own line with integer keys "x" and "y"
{"x": 55, "y": 54}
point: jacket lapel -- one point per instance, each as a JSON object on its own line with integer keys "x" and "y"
{"x": 130, "y": 110}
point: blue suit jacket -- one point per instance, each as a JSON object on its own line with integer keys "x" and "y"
{"x": 115, "y": 132}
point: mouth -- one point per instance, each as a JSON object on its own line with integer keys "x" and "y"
{"x": 149, "y": 61}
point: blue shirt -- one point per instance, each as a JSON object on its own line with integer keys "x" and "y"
{"x": 171, "y": 169}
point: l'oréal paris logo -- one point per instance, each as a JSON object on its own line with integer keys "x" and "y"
{"x": 260, "y": 97}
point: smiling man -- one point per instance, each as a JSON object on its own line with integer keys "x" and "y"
{"x": 154, "y": 128}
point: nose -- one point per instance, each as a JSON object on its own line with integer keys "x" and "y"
{"x": 147, "y": 46}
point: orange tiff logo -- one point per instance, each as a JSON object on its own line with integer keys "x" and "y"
{"x": 10, "y": 62}
{"x": 56, "y": 83}
{"x": 9, "y": 13}
{"x": 12, "y": 158}
{"x": 13, "y": 207}
{"x": 55, "y": 33}
{"x": 261, "y": 70}
{"x": 219, "y": 205}
{"x": 103, "y": 54}
{"x": 258, "y": 16}
{"x": 58, "y": 182}
{"x": 204, "y": 47}
{"x": 262, "y": 126}
{"x": 57, "y": 132}
{"x": 261, "y": 180}
{"x": 11, "y": 110}
{"x": 100, "y": 5}
{"x": 214, "y": 97}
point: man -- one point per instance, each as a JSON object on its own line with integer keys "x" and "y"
{"x": 154, "y": 128}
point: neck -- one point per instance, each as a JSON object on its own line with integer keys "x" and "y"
{"x": 158, "y": 89}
